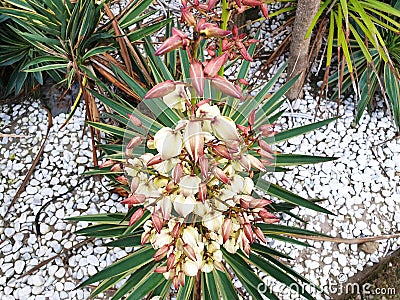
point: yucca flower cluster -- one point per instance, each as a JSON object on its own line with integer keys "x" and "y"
{"x": 198, "y": 185}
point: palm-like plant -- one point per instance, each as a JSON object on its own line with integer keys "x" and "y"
{"x": 147, "y": 269}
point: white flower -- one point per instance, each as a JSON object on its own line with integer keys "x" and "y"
{"x": 207, "y": 266}
{"x": 224, "y": 128}
{"x": 236, "y": 184}
{"x": 213, "y": 221}
{"x": 176, "y": 99}
{"x": 248, "y": 186}
{"x": 202, "y": 209}
{"x": 217, "y": 255}
{"x": 231, "y": 246}
{"x": 190, "y": 268}
{"x": 194, "y": 139}
{"x": 168, "y": 142}
{"x": 184, "y": 205}
{"x": 190, "y": 236}
{"x": 161, "y": 239}
{"x": 166, "y": 166}
{"x": 207, "y": 111}
{"x": 190, "y": 184}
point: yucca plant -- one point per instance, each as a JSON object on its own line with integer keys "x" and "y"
{"x": 194, "y": 165}
{"x": 373, "y": 72}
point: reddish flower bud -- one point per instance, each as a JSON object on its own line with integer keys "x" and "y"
{"x": 211, "y": 4}
{"x": 203, "y": 165}
{"x": 259, "y": 234}
{"x": 222, "y": 150}
{"x": 181, "y": 278}
{"x": 145, "y": 238}
{"x": 116, "y": 168}
{"x": 161, "y": 253}
{"x": 226, "y": 87}
{"x": 197, "y": 77}
{"x": 160, "y": 90}
{"x": 107, "y": 163}
{"x": 264, "y": 146}
{"x": 188, "y": 250}
{"x": 177, "y": 173}
{"x": 155, "y": 160}
{"x": 212, "y": 30}
{"x": 243, "y": 81}
{"x": 170, "y": 261}
{"x": 134, "y": 142}
{"x": 134, "y": 184}
{"x": 203, "y": 192}
{"x": 175, "y": 282}
{"x": 243, "y": 51}
{"x": 265, "y": 154}
{"x": 171, "y": 43}
{"x": 136, "y": 216}
{"x": 264, "y": 10}
{"x": 213, "y": 66}
{"x": 226, "y": 229}
{"x": 259, "y": 203}
{"x": 248, "y": 231}
{"x": 161, "y": 270}
{"x": 122, "y": 179}
{"x": 252, "y": 117}
{"x": 252, "y": 3}
{"x": 176, "y": 230}
{"x": 134, "y": 199}
{"x": 187, "y": 17}
{"x": 157, "y": 222}
{"x": 135, "y": 120}
{"x": 244, "y": 204}
{"x": 221, "y": 175}
{"x": 235, "y": 32}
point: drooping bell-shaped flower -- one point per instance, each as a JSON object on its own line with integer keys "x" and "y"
{"x": 190, "y": 268}
{"x": 184, "y": 205}
{"x": 190, "y": 184}
{"x": 224, "y": 128}
{"x": 168, "y": 142}
{"x": 176, "y": 99}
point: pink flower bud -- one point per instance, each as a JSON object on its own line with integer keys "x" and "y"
{"x": 203, "y": 165}
{"x": 213, "y": 66}
{"x": 211, "y": 4}
{"x": 244, "y": 204}
{"x": 160, "y": 90}
{"x": 194, "y": 140}
{"x": 135, "y": 120}
{"x": 187, "y": 17}
{"x": 175, "y": 282}
{"x": 243, "y": 81}
{"x": 238, "y": 3}
{"x": 259, "y": 234}
{"x": 197, "y": 77}
{"x": 264, "y": 10}
{"x": 134, "y": 142}
{"x": 116, "y": 168}
{"x": 255, "y": 162}
{"x": 226, "y": 87}
{"x": 171, "y": 43}
{"x": 235, "y": 32}
{"x": 155, "y": 160}
{"x": 134, "y": 184}
{"x": 264, "y": 146}
{"x": 188, "y": 250}
{"x": 243, "y": 51}
{"x": 203, "y": 192}
{"x": 145, "y": 237}
{"x": 161, "y": 270}
{"x": 252, "y": 3}
{"x": 226, "y": 229}
{"x": 212, "y": 30}
{"x": 222, "y": 150}
{"x": 248, "y": 231}
{"x": 177, "y": 173}
{"x": 252, "y": 117}
{"x": 136, "y": 216}
{"x": 221, "y": 175}
{"x": 161, "y": 253}
{"x": 134, "y": 199}
{"x": 259, "y": 203}
{"x": 157, "y": 222}
{"x": 107, "y": 163}
{"x": 176, "y": 230}
{"x": 265, "y": 154}
{"x": 181, "y": 278}
{"x": 122, "y": 179}
{"x": 170, "y": 261}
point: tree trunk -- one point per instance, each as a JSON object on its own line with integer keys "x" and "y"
{"x": 299, "y": 46}
{"x": 197, "y": 287}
